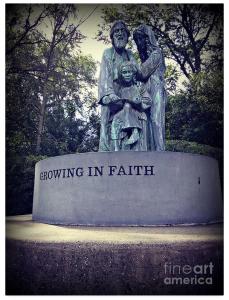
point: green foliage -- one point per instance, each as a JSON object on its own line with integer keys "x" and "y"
{"x": 19, "y": 183}
{"x": 171, "y": 78}
{"x": 195, "y": 148}
{"x": 196, "y": 114}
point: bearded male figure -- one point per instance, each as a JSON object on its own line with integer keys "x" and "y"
{"x": 110, "y": 102}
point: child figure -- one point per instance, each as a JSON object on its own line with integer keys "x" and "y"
{"x": 129, "y": 125}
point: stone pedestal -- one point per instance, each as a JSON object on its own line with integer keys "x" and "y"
{"x": 46, "y": 259}
{"x": 127, "y": 188}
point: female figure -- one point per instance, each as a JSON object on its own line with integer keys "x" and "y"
{"x": 153, "y": 69}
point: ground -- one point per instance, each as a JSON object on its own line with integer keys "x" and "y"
{"x": 50, "y": 259}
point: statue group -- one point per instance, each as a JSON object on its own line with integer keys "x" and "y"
{"x": 132, "y": 96}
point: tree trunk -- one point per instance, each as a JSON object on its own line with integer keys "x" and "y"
{"x": 43, "y": 104}
{"x": 41, "y": 119}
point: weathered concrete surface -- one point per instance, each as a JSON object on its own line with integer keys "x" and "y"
{"x": 48, "y": 259}
{"x": 167, "y": 188}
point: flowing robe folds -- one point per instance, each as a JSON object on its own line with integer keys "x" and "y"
{"x": 129, "y": 125}
{"x": 107, "y": 87}
{"x": 153, "y": 69}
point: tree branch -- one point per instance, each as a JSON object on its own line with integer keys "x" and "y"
{"x": 28, "y": 28}
{"x": 207, "y": 34}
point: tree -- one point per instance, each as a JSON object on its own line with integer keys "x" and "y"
{"x": 189, "y": 34}
{"x": 70, "y": 103}
{"x": 50, "y": 47}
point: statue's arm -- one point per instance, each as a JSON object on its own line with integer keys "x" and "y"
{"x": 151, "y": 64}
{"x": 146, "y": 100}
{"x": 106, "y": 90}
{"x": 112, "y": 99}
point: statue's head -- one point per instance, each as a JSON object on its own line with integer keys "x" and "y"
{"x": 119, "y": 34}
{"x": 145, "y": 40}
{"x": 127, "y": 73}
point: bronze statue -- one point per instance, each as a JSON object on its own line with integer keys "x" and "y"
{"x": 132, "y": 112}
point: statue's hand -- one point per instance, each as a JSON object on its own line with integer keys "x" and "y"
{"x": 112, "y": 98}
{"x": 106, "y": 100}
{"x": 154, "y": 55}
{"x": 137, "y": 99}
{"x": 146, "y": 103}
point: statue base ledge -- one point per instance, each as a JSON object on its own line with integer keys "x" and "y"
{"x": 127, "y": 188}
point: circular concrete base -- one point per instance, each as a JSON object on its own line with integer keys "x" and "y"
{"x": 127, "y": 188}
{"x": 76, "y": 260}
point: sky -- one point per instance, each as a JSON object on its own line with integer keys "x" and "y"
{"x": 90, "y": 28}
